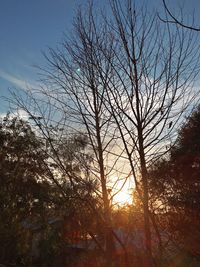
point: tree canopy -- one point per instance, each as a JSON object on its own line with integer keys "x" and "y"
{"x": 176, "y": 183}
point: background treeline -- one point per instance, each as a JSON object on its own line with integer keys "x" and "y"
{"x": 39, "y": 221}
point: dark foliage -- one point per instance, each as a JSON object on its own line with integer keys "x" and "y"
{"x": 23, "y": 192}
{"x": 175, "y": 182}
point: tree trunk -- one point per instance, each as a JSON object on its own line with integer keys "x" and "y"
{"x": 147, "y": 227}
{"x": 109, "y": 240}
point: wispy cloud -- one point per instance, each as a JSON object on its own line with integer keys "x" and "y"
{"x": 21, "y": 83}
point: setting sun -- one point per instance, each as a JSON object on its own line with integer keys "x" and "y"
{"x": 124, "y": 196}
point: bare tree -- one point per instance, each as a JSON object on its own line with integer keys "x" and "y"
{"x": 72, "y": 101}
{"x": 148, "y": 90}
{"x": 125, "y": 83}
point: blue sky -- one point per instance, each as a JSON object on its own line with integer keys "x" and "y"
{"x": 28, "y": 27}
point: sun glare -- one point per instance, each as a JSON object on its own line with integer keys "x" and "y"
{"x": 124, "y": 196}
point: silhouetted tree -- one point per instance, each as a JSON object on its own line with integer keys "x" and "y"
{"x": 34, "y": 195}
{"x": 148, "y": 90}
{"x": 176, "y": 184}
{"x": 22, "y": 189}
